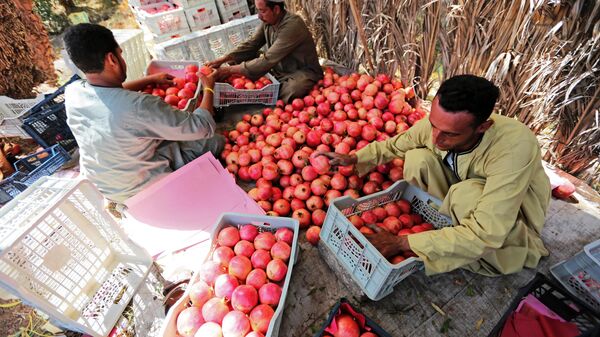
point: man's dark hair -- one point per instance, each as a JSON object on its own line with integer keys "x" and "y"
{"x": 470, "y": 93}
{"x": 88, "y": 44}
{"x": 272, "y": 4}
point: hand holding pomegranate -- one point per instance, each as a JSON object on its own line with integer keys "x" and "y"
{"x": 162, "y": 78}
{"x": 208, "y": 80}
{"x": 337, "y": 159}
{"x": 387, "y": 243}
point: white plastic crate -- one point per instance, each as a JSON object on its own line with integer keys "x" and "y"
{"x": 134, "y": 49}
{"x": 229, "y": 13}
{"x": 188, "y": 3}
{"x": 62, "y": 253}
{"x": 163, "y": 23}
{"x": 177, "y": 69}
{"x": 196, "y": 44}
{"x": 234, "y": 31}
{"x": 172, "y": 35}
{"x": 375, "y": 275}
{"x": 140, "y": 3}
{"x": 250, "y": 25}
{"x": 581, "y": 275}
{"x": 11, "y": 113}
{"x": 229, "y": 5}
{"x": 264, "y": 223}
{"x": 226, "y": 94}
{"x": 174, "y": 49}
{"x": 211, "y": 43}
{"x": 203, "y": 16}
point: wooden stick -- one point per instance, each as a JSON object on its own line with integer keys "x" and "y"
{"x": 361, "y": 32}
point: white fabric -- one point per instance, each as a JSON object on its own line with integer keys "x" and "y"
{"x": 122, "y": 136}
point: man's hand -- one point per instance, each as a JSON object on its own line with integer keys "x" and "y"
{"x": 387, "y": 243}
{"x": 208, "y": 81}
{"x": 337, "y": 159}
{"x": 161, "y": 78}
{"x": 217, "y": 63}
{"x": 223, "y": 73}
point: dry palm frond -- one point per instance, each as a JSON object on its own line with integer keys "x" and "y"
{"x": 544, "y": 55}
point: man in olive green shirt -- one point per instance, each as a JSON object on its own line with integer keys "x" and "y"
{"x": 291, "y": 54}
{"x": 487, "y": 170}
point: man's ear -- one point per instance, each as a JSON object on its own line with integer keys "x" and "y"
{"x": 483, "y": 127}
{"x": 111, "y": 59}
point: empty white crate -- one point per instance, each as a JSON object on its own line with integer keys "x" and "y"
{"x": 233, "y": 12}
{"x": 174, "y": 50}
{"x": 250, "y": 24}
{"x": 208, "y": 44}
{"x": 134, "y": 49}
{"x": 62, "y": 253}
{"x": 203, "y": 16}
{"x": 163, "y": 23}
{"x": 172, "y": 35}
{"x": 188, "y": 3}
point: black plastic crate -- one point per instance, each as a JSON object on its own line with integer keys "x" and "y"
{"x": 53, "y": 99}
{"x": 558, "y": 300}
{"x": 50, "y": 127}
{"x": 375, "y": 328}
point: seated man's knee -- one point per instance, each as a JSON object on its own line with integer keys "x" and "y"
{"x": 418, "y": 160}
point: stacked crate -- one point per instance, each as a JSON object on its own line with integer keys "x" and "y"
{"x": 167, "y": 20}
{"x": 208, "y": 44}
{"x": 232, "y": 9}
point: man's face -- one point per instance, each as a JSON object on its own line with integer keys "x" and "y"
{"x": 265, "y": 13}
{"x": 452, "y": 131}
{"x": 122, "y": 64}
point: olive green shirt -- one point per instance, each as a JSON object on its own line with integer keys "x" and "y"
{"x": 290, "y": 48}
{"x": 516, "y": 189}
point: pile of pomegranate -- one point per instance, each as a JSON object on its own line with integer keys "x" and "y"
{"x": 394, "y": 217}
{"x": 241, "y": 82}
{"x": 182, "y": 90}
{"x": 240, "y": 286}
{"x": 277, "y": 149}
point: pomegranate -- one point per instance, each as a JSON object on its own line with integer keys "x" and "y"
{"x": 256, "y": 278}
{"x": 312, "y": 235}
{"x": 244, "y": 298}
{"x": 235, "y": 324}
{"x": 347, "y": 327}
{"x": 243, "y": 247}
{"x": 270, "y": 294}
{"x": 285, "y": 234}
{"x": 276, "y": 270}
{"x": 260, "y": 259}
{"x": 264, "y": 240}
{"x": 200, "y": 292}
{"x": 240, "y": 266}
{"x": 318, "y": 217}
{"x": 189, "y": 321}
{"x": 260, "y": 317}
{"x": 214, "y": 310}
{"x": 223, "y": 255}
{"x": 210, "y": 270}
{"x": 281, "y": 250}
{"x": 303, "y": 217}
{"x": 224, "y": 286}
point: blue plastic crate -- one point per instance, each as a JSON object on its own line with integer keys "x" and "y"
{"x": 30, "y": 169}
{"x": 55, "y": 98}
{"x": 338, "y": 309}
{"x": 11, "y": 187}
{"x": 41, "y": 164}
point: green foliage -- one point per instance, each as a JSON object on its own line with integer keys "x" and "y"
{"x": 55, "y": 23}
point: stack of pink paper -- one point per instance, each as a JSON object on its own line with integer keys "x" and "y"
{"x": 180, "y": 210}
